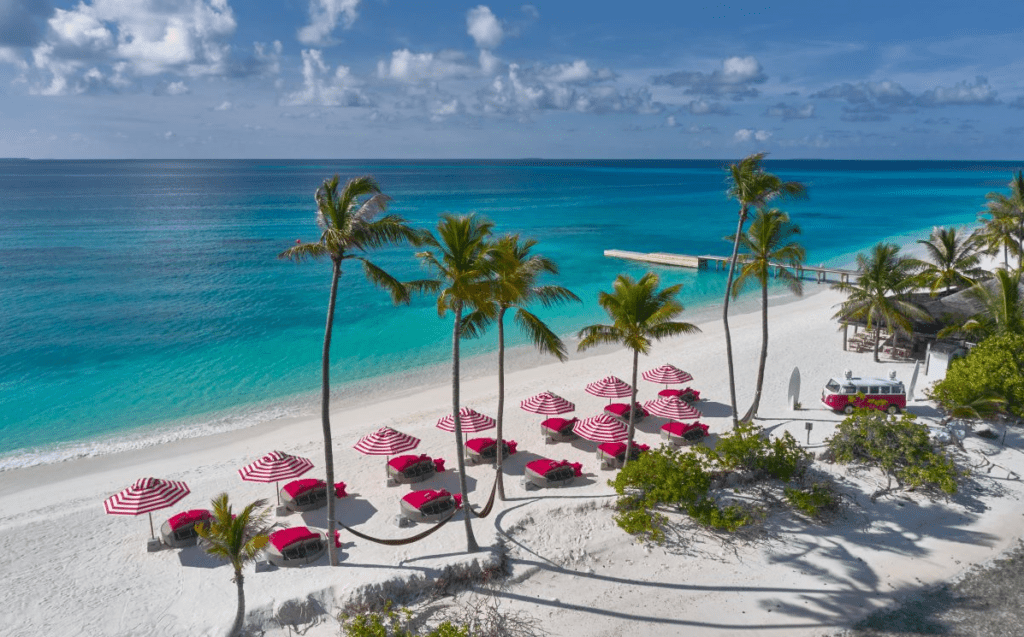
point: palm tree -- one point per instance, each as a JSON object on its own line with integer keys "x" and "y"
{"x": 459, "y": 262}
{"x": 640, "y": 312}
{"x": 767, "y": 242}
{"x": 953, "y": 261}
{"x": 236, "y": 539}
{"x": 881, "y": 294}
{"x": 1005, "y": 229}
{"x": 1002, "y": 307}
{"x": 349, "y": 227}
{"x": 751, "y": 186}
{"x": 514, "y": 286}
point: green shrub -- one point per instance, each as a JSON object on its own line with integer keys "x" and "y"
{"x": 745, "y": 447}
{"x": 389, "y": 623}
{"x": 898, "y": 446}
{"x": 724, "y": 518}
{"x": 814, "y": 501}
{"x": 991, "y": 375}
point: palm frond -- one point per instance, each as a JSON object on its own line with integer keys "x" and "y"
{"x": 398, "y": 291}
{"x": 542, "y": 337}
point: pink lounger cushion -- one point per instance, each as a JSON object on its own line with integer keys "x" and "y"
{"x": 287, "y": 537}
{"x": 418, "y": 498}
{"x": 680, "y": 428}
{"x": 615, "y": 448}
{"x": 401, "y": 463}
{"x": 622, "y": 409}
{"x": 439, "y": 465}
{"x": 188, "y": 517}
{"x": 559, "y": 424}
{"x": 544, "y": 465}
{"x": 477, "y": 445}
{"x": 339, "y": 490}
{"x": 297, "y": 487}
{"x": 679, "y": 393}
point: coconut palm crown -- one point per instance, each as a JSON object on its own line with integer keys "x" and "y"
{"x": 751, "y": 186}
{"x": 1001, "y": 303}
{"x": 514, "y": 285}
{"x": 236, "y": 539}
{"x": 349, "y": 228}
{"x": 640, "y": 314}
{"x": 953, "y": 261}
{"x": 881, "y": 293}
{"x": 1004, "y": 226}
{"x": 458, "y": 259}
{"x": 767, "y": 242}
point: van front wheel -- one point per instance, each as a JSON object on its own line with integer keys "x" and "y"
{"x": 892, "y": 410}
{"x": 848, "y": 409}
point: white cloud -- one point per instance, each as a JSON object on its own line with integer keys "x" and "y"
{"x": 441, "y": 110}
{"x": 323, "y": 19}
{"x": 670, "y": 121}
{"x": 960, "y": 94}
{"x": 489, "y": 64}
{"x": 177, "y": 88}
{"x": 224, "y": 106}
{"x": 748, "y": 134}
{"x": 320, "y": 88}
{"x": 527, "y": 89}
{"x": 406, "y": 66}
{"x": 9, "y": 55}
{"x": 578, "y": 72}
{"x": 484, "y": 28}
{"x": 735, "y": 79}
{"x": 150, "y": 36}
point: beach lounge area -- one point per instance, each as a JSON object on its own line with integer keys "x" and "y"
{"x": 798, "y": 579}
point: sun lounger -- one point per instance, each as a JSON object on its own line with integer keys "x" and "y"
{"x": 180, "y": 530}
{"x": 558, "y": 429}
{"x": 479, "y": 450}
{"x": 613, "y": 454}
{"x": 304, "y": 495}
{"x": 295, "y": 546}
{"x": 429, "y": 505}
{"x": 621, "y": 412}
{"x": 679, "y": 433}
{"x": 413, "y": 468}
{"x": 544, "y": 473}
{"x": 688, "y": 394}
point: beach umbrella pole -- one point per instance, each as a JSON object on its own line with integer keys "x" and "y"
{"x": 152, "y": 535}
{"x": 277, "y": 490}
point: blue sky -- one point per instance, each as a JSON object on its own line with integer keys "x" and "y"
{"x": 443, "y": 79}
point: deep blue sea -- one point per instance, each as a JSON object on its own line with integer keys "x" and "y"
{"x": 142, "y": 301}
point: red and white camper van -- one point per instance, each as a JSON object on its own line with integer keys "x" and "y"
{"x": 840, "y": 394}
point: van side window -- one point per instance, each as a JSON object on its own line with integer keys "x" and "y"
{"x": 849, "y": 389}
{"x": 885, "y": 389}
{"x": 875, "y": 390}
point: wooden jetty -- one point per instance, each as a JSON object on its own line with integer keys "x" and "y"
{"x": 701, "y": 262}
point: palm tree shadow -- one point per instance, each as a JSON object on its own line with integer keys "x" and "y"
{"x": 196, "y": 557}
{"x": 712, "y": 409}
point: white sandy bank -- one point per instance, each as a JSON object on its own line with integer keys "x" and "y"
{"x": 68, "y": 568}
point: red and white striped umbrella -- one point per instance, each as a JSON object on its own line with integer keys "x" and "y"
{"x": 145, "y": 496}
{"x": 274, "y": 467}
{"x": 386, "y": 442}
{"x": 610, "y": 387}
{"x": 667, "y": 375}
{"x": 548, "y": 404}
{"x": 672, "y": 407}
{"x": 601, "y": 428}
{"x": 471, "y": 420}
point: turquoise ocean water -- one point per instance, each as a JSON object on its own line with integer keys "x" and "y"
{"x": 143, "y": 301}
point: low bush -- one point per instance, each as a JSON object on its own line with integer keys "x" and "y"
{"x": 391, "y": 623}
{"x": 815, "y": 501}
{"x": 746, "y": 447}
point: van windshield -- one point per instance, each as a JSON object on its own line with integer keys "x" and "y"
{"x": 832, "y": 386}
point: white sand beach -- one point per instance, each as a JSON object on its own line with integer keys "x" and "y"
{"x": 70, "y": 569}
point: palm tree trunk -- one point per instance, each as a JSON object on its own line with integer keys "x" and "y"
{"x": 471, "y": 545}
{"x": 878, "y": 335}
{"x": 632, "y": 411}
{"x": 325, "y": 414}
{"x": 764, "y": 352}
{"x": 501, "y": 404}
{"x": 236, "y": 628}
{"x": 725, "y": 315}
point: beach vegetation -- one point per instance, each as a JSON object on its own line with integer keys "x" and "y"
{"x": 749, "y": 448}
{"x": 640, "y": 314}
{"x": 898, "y": 446}
{"x": 953, "y": 261}
{"x": 389, "y": 622}
{"x": 238, "y": 540}
{"x": 1003, "y": 222}
{"x": 816, "y": 500}
{"x": 880, "y": 296}
{"x": 752, "y": 187}
{"x": 514, "y": 286}
{"x": 1000, "y": 305}
{"x": 768, "y": 241}
{"x": 458, "y": 259}
{"x": 350, "y": 226}
{"x": 988, "y": 381}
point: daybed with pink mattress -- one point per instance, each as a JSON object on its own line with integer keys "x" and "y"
{"x": 429, "y": 505}
{"x": 546, "y": 473}
{"x": 679, "y": 433}
{"x": 613, "y": 454}
{"x": 479, "y": 450}
{"x": 180, "y": 530}
{"x": 412, "y": 468}
{"x": 296, "y": 546}
{"x": 559, "y": 429}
